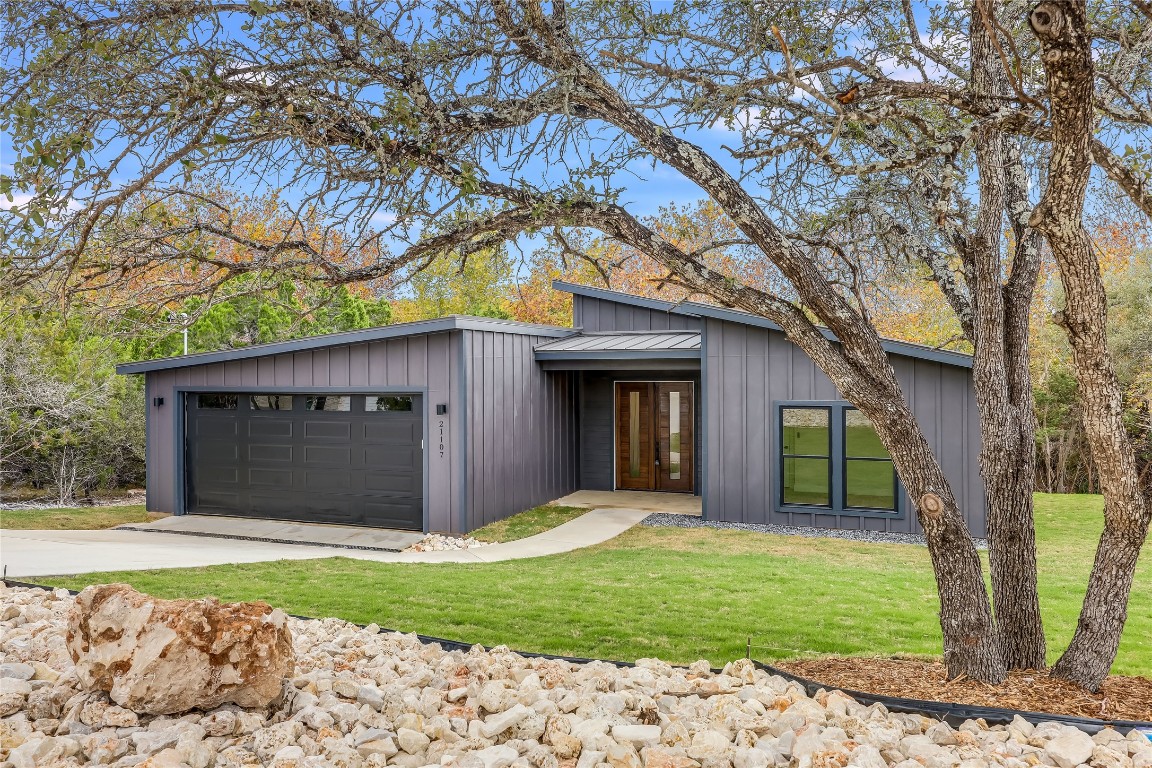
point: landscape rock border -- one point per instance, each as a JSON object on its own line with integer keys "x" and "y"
{"x": 950, "y": 712}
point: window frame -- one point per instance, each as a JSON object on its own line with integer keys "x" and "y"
{"x": 838, "y": 464}
{"x": 830, "y": 457}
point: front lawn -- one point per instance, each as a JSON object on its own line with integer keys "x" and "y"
{"x": 75, "y": 519}
{"x": 528, "y": 523}
{"x": 680, "y": 594}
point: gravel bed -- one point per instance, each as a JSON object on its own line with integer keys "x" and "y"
{"x": 666, "y": 520}
{"x": 358, "y": 698}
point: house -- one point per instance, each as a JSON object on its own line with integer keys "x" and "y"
{"x": 451, "y": 424}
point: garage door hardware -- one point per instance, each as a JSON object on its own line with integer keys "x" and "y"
{"x": 257, "y": 538}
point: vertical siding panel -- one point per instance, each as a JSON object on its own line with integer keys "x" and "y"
{"x": 735, "y": 396}
{"x": 265, "y": 371}
{"x": 284, "y": 370}
{"x": 234, "y": 373}
{"x": 976, "y": 498}
{"x": 338, "y": 367}
{"x": 926, "y": 405}
{"x": 302, "y": 369}
{"x": 822, "y": 385}
{"x": 321, "y": 369}
{"x": 780, "y": 387}
{"x": 416, "y": 360}
{"x": 456, "y": 411}
{"x": 433, "y": 355}
{"x": 358, "y": 365}
{"x": 803, "y": 375}
{"x": 951, "y": 451}
{"x": 714, "y": 483}
{"x": 756, "y": 421}
{"x": 377, "y": 363}
{"x": 249, "y": 372}
{"x": 488, "y": 386}
{"x": 397, "y": 353}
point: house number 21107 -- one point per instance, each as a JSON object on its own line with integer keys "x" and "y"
{"x": 440, "y": 422}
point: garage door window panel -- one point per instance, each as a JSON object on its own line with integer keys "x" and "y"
{"x": 270, "y": 402}
{"x": 379, "y": 403}
{"x": 218, "y": 402}
{"x": 338, "y": 403}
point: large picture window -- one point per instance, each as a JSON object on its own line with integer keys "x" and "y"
{"x": 830, "y": 457}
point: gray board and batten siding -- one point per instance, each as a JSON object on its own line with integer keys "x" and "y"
{"x": 522, "y": 441}
{"x": 749, "y": 367}
{"x": 506, "y": 443}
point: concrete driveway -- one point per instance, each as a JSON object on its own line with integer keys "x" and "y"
{"x": 57, "y": 553}
{"x": 28, "y": 554}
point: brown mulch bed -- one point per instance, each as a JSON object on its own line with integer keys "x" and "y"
{"x": 1120, "y": 698}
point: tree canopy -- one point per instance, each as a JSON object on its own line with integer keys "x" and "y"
{"x": 957, "y": 139}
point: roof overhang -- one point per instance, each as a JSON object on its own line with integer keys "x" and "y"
{"x": 696, "y": 309}
{"x": 621, "y": 346}
{"x": 420, "y": 327}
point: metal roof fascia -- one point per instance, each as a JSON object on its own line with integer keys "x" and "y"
{"x": 618, "y": 354}
{"x": 902, "y": 348}
{"x": 695, "y": 309}
{"x": 619, "y": 297}
{"x": 438, "y": 325}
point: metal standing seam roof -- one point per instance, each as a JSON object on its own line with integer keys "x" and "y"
{"x": 439, "y": 325}
{"x": 680, "y": 343}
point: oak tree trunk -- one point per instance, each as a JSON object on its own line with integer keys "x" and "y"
{"x": 1067, "y": 55}
{"x": 1001, "y": 376}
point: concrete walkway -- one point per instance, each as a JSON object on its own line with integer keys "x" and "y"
{"x": 652, "y": 501}
{"x": 30, "y": 554}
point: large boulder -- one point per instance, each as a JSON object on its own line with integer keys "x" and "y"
{"x": 167, "y": 656}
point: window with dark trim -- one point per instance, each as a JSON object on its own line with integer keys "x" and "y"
{"x": 869, "y": 476}
{"x": 806, "y": 456}
{"x": 830, "y": 458}
{"x": 221, "y": 402}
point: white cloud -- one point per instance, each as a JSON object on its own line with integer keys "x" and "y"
{"x": 382, "y": 217}
{"x": 747, "y": 119}
{"x": 21, "y": 200}
{"x": 18, "y": 200}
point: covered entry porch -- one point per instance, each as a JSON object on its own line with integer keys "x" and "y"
{"x": 640, "y": 414}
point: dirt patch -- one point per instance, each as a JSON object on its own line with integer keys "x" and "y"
{"x": 1120, "y": 698}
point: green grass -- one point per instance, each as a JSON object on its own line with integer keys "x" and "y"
{"x": 75, "y": 519}
{"x": 528, "y": 523}
{"x": 675, "y": 593}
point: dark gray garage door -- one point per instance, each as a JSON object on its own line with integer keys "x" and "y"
{"x": 353, "y": 459}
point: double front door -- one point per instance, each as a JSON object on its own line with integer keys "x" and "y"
{"x": 654, "y": 445}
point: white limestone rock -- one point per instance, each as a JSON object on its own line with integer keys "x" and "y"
{"x": 1069, "y": 749}
{"x": 163, "y": 656}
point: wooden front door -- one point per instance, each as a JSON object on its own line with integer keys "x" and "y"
{"x": 654, "y": 438}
